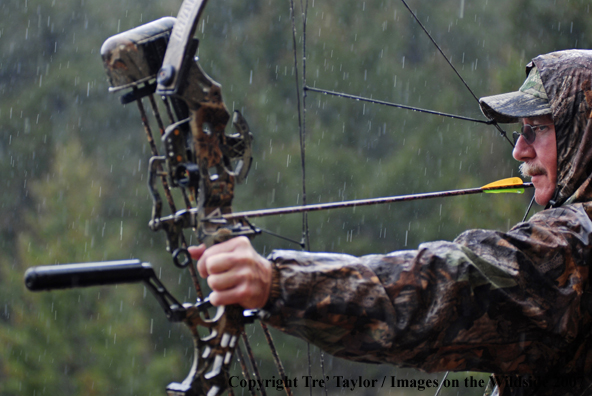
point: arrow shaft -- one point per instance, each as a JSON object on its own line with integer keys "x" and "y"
{"x": 365, "y": 202}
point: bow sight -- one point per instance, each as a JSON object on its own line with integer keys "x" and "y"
{"x": 200, "y": 160}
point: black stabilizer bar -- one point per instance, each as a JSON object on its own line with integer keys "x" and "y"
{"x": 68, "y": 276}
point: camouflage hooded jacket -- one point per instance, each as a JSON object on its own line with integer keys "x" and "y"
{"x": 518, "y": 304}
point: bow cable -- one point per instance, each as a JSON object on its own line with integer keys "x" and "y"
{"x": 301, "y": 109}
{"x": 495, "y": 124}
{"x": 397, "y": 105}
{"x": 302, "y": 133}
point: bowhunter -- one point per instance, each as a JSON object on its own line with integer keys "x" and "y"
{"x": 516, "y": 303}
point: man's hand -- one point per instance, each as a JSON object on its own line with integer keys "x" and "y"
{"x": 235, "y": 272}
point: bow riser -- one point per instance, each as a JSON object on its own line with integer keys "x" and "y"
{"x": 199, "y": 159}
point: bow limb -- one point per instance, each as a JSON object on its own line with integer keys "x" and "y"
{"x": 213, "y": 353}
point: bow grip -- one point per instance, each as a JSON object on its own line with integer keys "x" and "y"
{"x": 89, "y": 274}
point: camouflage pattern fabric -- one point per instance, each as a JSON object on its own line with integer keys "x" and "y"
{"x": 518, "y": 304}
{"x": 567, "y": 77}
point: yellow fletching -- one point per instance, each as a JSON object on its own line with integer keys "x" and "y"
{"x": 509, "y": 182}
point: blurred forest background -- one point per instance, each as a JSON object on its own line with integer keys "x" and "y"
{"x": 73, "y": 162}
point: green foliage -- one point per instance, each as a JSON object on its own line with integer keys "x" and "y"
{"x": 83, "y": 341}
{"x": 73, "y": 161}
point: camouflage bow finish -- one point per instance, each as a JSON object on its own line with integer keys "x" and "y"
{"x": 199, "y": 159}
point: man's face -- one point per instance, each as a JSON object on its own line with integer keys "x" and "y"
{"x": 539, "y": 158}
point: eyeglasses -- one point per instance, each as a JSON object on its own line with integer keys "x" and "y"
{"x": 529, "y": 132}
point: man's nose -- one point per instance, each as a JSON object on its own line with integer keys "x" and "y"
{"x": 522, "y": 150}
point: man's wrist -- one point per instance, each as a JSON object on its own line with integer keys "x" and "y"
{"x": 274, "y": 289}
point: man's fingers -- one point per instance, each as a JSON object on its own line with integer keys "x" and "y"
{"x": 236, "y": 295}
{"x": 223, "y": 281}
{"x": 218, "y": 298}
{"x": 222, "y": 262}
{"x": 221, "y": 257}
{"x": 196, "y": 251}
{"x": 235, "y": 272}
{"x": 229, "y": 245}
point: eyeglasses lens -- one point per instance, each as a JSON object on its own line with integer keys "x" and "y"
{"x": 527, "y": 132}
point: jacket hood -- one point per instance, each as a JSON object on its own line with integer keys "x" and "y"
{"x": 567, "y": 79}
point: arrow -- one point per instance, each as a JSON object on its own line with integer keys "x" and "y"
{"x": 510, "y": 185}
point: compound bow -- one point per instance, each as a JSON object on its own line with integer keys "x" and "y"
{"x": 202, "y": 162}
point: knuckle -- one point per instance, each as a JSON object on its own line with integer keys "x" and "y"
{"x": 247, "y": 275}
{"x": 243, "y": 239}
{"x": 211, "y": 281}
{"x": 201, "y": 268}
{"x": 243, "y": 293}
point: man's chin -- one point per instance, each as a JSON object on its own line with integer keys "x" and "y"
{"x": 542, "y": 195}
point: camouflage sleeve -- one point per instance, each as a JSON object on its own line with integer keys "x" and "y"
{"x": 515, "y": 302}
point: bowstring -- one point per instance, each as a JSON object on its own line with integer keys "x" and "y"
{"x": 305, "y": 230}
{"x": 301, "y": 108}
{"x": 493, "y": 122}
{"x": 489, "y": 121}
{"x": 440, "y": 50}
